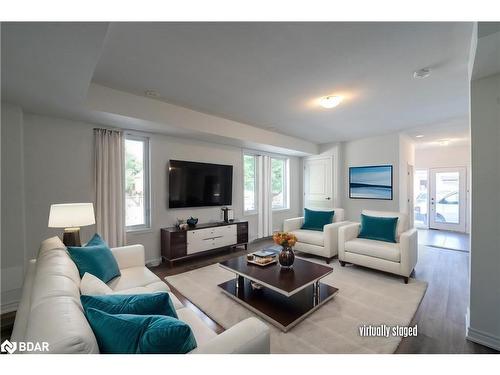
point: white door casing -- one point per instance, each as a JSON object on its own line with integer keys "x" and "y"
{"x": 318, "y": 184}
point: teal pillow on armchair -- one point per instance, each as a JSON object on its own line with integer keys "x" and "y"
{"x": 95, "y": 258}
{"x": 316, "y": 220}
{"x": 378, "y": 228}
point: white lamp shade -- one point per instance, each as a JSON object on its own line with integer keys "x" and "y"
{"x": 71, "y": 215}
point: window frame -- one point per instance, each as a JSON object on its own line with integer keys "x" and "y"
{"x": 286, "y": 183}
{"x": 255, "y": 156}
{"x": 147, "y": 183}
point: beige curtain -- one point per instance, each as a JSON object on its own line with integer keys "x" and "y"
{"x": 110, "y": 185}
{"x": 265, "y": 227}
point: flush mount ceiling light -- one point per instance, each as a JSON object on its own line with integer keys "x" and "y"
{"x": 330, "y": 101}
{"x": 419, "y": 136}
{"x": 422, "y": 73}
{"x": 152, "y": 93}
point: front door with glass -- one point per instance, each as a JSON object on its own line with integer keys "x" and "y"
{"x": 448, "y": 199}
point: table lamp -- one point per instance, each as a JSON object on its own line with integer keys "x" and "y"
{"x": 71, "y": 216}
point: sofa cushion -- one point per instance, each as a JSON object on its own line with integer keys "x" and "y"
{"x": 138, "y": 304}
{"x": 313, "y": 237}
{"x": 377, "y": 249}
{"x": 93, "y": 286}
{"x": 201, "y": 331}
{"x": 140, "y": 334}
{"x": 133, "y": 277}
{"x": 95, "y": 258}
{"x": 378, "y": 228}
{"x": 316, "y": 220}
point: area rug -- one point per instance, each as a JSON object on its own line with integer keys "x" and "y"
{"x": 365, "y": 297}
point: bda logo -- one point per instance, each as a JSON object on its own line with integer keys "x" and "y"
{"x": 8, "y": 347}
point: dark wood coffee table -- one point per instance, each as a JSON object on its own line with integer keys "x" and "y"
{"x": 287, "y": 296}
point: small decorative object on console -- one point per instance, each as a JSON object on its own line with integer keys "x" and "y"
{"x": 192, "y": 221}
{"x": 286, "y": 256}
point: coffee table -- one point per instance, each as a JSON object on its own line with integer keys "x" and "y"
{"x": 286, "y": 296}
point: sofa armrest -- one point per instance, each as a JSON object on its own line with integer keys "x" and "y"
{"x": 347, "y": 233}
{"x": 409, "y": 251}
{"x": 129, "y": 256}
{"x": 293, "y": 224}
{"x": 249, "y": 336}
{"x": 330, "y": 232}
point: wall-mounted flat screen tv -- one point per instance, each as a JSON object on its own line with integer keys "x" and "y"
{"x": 373, "y": 182}
{"x": 192, "y": 184}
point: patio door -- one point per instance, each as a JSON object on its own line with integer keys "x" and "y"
{"x": 448, "y": 199}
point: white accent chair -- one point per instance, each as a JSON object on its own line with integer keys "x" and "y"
{"x": 50, "y": 309}
{"x": 323, "y": 244}
{"x": 398, "y": 258}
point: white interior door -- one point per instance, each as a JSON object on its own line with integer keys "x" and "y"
{"x": 318, "y": 192}
{"x": 448, "y": 199}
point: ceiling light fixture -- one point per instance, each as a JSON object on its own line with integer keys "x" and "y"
{"x": 419, "y": 136}
{"x": 330, "y": 101}
{"x": 151, "y": 93}
{"x": 422, "y": 73}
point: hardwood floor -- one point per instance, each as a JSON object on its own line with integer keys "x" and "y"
{"x": 444, "y": 239}
{"x": 440, "y": 316}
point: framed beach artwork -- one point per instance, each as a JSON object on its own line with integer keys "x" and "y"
{"x": 373, "y": 182}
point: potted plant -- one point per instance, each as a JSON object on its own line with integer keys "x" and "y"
{"x": 287, "y": 240}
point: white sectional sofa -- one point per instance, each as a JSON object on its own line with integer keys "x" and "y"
{"x": 323, "y": 244}
{"x": 50, "y": 309}
{"x": 398, "y": 258}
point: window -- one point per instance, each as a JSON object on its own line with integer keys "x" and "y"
{"x": 137, "y": 205}
{"x": 250, "y": 183}
{"x": 279, "y": 183}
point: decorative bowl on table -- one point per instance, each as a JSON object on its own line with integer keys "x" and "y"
{"x": 192, "y": 221}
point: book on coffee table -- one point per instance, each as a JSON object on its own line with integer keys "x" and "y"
{"x": 264, "y": 253}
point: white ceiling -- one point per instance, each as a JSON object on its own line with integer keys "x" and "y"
{"x": 269, "y": 74}
{"x": 263, "y": 74}
{"x": 455, "y": 132}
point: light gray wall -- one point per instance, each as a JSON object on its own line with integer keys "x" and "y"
{"x": 381, "y": 150}
{"x": 58, "y": 167}
{"x": 13, "y": 238}
{"x": 484, "y": 309}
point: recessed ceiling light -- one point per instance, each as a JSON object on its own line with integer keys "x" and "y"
{"x": 152, "y": 93}
{"x": 422, "y": 73}
{"x": 330, "y": 101}
{"x": 419, "y": 136}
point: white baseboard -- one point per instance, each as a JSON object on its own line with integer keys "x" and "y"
{"x": 483, "y": 338}
{"x": 9, "y": 307}
{"x": 153, "y": 262}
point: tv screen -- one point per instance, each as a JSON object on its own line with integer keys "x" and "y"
{"x": 194, "y": 184}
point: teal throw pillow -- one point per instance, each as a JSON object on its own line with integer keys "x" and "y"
{"x": 138, "y": 304}
{"x": 95, "y": 258}
{"x": 378, "y": 228}
{"x": 316, "y": 220}
{"x": 140, "y": 334}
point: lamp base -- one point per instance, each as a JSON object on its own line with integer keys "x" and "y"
{"x": 71, "y": 237}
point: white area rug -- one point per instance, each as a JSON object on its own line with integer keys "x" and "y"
{"x": 364, "y": 297}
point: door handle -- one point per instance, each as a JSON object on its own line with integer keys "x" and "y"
{"x": 328, "y": 198}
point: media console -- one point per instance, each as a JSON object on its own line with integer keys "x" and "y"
{"x": 178, "y": 244}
